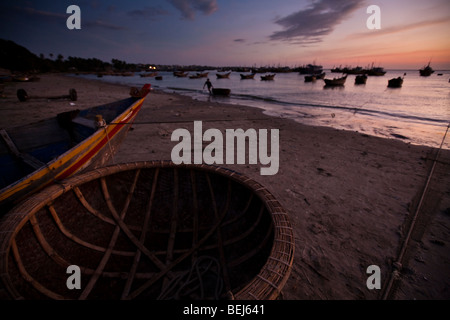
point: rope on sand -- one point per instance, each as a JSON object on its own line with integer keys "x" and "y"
{"x": 397, "y": 265}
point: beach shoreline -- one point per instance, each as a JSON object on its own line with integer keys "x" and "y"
{"x": 350, "y": 197}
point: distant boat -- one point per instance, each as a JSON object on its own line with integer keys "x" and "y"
{"x": 310, "y": 78}
{"x": 158, "y": 78}
{"x": 199, "y": 75}
{"x": 335, "y": 81}
{"x": 268, "y": 77}
{"x": 396, "y": 82}
{"x": 375, "y": 71}
{"x": 314, "y": 77}
{"x": 311, "y": 69}
{"x": 37, "y": 154}
{"x": 361, "y": 79}
{"x": 355, "y": 70}
{"x": 337, "y": 69}
{"x": 248, "y": 76}
{"x": 220, "y": 91}
{"x": 223, "y": 75}
{"x": 320, "y": 75}
{"x": 180, "y": 74}
{"x": 426, "y": 71}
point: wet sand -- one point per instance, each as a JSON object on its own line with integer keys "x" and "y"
{"x": 350, "y": 197}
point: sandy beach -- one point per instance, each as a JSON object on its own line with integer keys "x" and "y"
{"x": 350, "y": 197}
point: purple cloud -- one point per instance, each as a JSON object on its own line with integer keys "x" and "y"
{"x": 188, "y": 7}
{"x": 310, "y": 25}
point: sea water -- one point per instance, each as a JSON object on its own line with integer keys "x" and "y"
{"x": 417, "y": 113}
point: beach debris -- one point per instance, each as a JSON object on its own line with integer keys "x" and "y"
{"x": 23, "y": 96}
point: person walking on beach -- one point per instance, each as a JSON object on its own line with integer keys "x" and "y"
{"x": 208, "y": 84}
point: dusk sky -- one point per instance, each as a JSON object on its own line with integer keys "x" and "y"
{"x": 236, "y": 32}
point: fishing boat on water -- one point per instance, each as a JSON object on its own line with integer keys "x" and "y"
{"x": 335, "y": 81}
{"x": 310, "y": 78}
{"x": 247, "y": 76}
{"x": 199, "y": 75}
{"x": 396, "y": 82}
{"x": 314, "y": 77}
{"x": 268, "y": 77}
{"x": 320, "y": 75}
{"x": 361, "y": 79}
{"x": 223, "y": 75}
{"x": 375, "y": 71}
{"x": 426, "y": 71}
{"x": 310, "y": 69}
{"x": 180, "y": 74}
{"x": 35, "y": 155}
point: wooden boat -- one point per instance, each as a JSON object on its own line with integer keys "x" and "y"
{"x": 426, "y": 71}
{"x": 180, "y": 74}
{"x": 335, "y": 81}
{"x": 396, "y": 82}
{"x": 314, "y": 77}
{"x": 199, "y": 75}
{"x": 375, "y": 71}
{"x": 202, "y": 75}
{"x": 223, "y": 76}
{"x": 35, "y": 155}
{"x": 247, "y": 76}
{"x": 268, "y": 77}
{"x": 148, "y": 230}
{"x": 361, "y": 79}
{"x": 337, "y": 69}
{"x": 310, "y": 69}
{"x": 320, "y": 75}
{"x": 310, "y": 78}
{"x": 220, "y": 91}
{"x": 354, "y": 70}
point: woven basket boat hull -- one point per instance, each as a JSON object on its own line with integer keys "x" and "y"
{"x": 148, "y": 230}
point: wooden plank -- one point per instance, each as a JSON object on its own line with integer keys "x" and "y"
{"x": 30, "y": 160}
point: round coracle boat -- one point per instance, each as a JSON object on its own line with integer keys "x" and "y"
{"x": 148, "y": 230}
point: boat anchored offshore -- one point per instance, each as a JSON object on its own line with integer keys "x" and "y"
{"x": 426, "y": 71}
{"x": 396, "y": 82}
{"x": 268, "y": 77}
{"x": 35, "y": 155}
{"x": 247, "y": 76}
{"x": 361, "y": 79}
{"x": 335, "y": 81}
